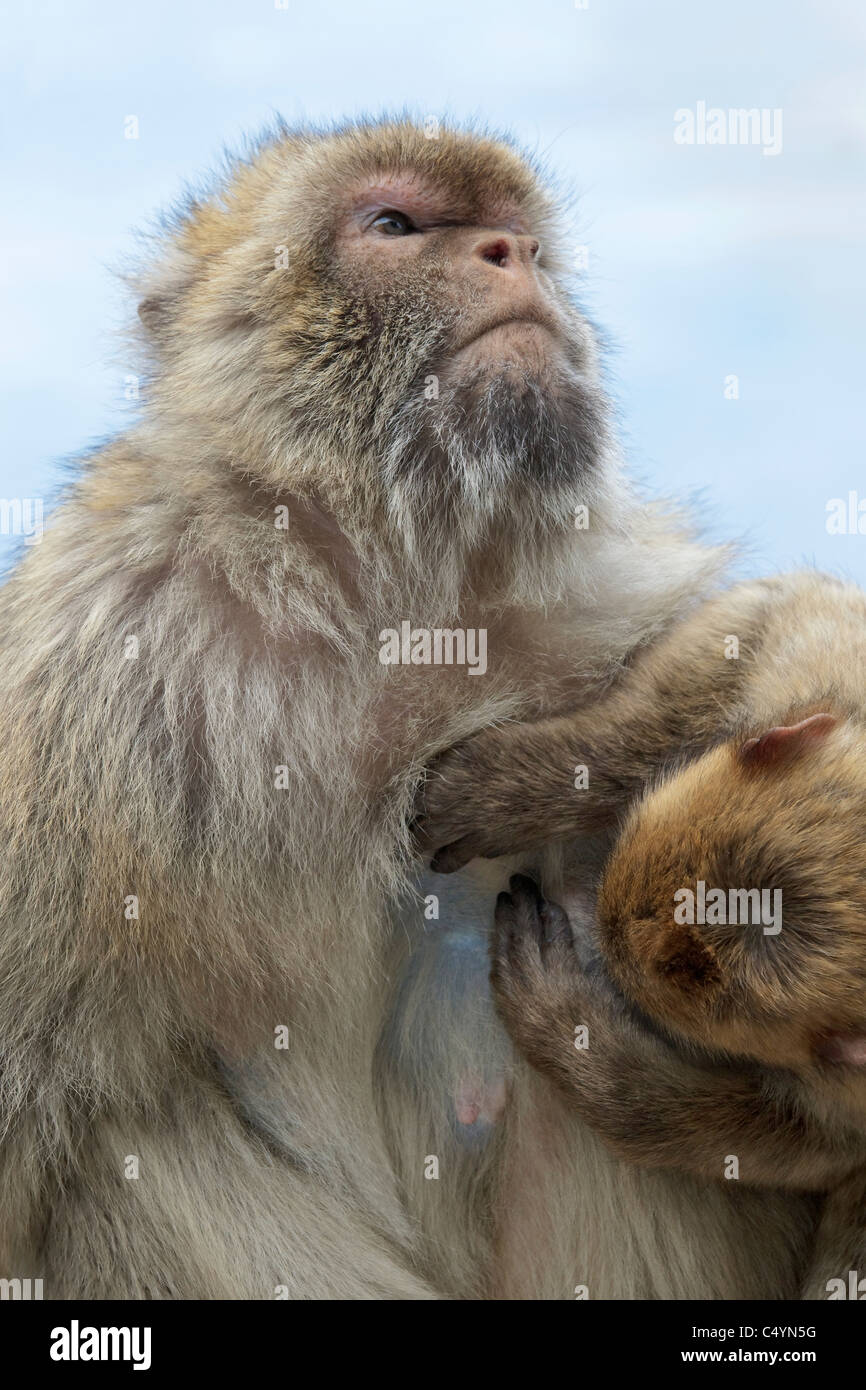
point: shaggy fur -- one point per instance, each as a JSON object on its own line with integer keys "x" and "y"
{"x": 246, "y": 768}
{"x": 744, "y": 774}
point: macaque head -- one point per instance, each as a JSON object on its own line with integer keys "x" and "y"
{"x": 380, "y": 319}
{"x": 733, "y": 906}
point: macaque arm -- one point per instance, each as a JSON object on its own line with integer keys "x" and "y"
{"x": 519, "y": 784}
{"x": 651, "y": 1105}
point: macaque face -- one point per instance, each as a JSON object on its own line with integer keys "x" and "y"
{"x": 496, "y": 369}
{"x": 495, "y": 307}
{"x": 380, "y": 318}
{"x": 733, "y": 908}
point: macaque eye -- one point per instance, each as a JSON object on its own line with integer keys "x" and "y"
{"x": 393, "y": 224}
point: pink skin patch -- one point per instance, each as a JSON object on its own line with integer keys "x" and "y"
{"x": 475, "y": 1100}
{"x": 786, "y": 741}
{"x": 849, "y": 1049}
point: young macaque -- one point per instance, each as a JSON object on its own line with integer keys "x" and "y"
{"x": 724, "y": 1031}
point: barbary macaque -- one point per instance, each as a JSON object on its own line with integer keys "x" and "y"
{"x": 239, "y": 1056}
{"x": 723, "y": 1031}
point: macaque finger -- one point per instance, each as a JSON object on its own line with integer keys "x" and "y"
{"x": 449, "y": 858}
{"x": 557, "y": 949}
{"x": 512, "y": 947}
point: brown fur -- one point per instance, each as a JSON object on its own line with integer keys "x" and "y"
{"x": 751, "y": 1043}
{"x": 300, "y": 386}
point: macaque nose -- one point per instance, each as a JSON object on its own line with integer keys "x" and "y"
{"x": 507, "y": 251}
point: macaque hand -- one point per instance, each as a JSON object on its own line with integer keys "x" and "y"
{"x": 634, "y": 1091}
{"x": 476, "y": 802}
{"x": 543, "y": 996}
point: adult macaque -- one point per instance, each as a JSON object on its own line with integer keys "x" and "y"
{"x": 232, "y": 1058}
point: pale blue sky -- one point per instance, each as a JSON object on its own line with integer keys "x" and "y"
{"x": 703, "y": 260}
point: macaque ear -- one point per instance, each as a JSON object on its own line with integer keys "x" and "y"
{"x": 687, "y": 960}
{"x": 161, "y": 290}
{"x": 786, "y": 741}
{"x": 849, "y": 1049}
{"x": 155, "y": 313}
